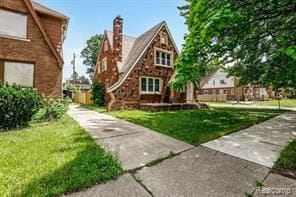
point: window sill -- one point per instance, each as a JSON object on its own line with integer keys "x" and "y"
{"x": 150, "y": 93}
{"x": 14, "y": 38}
{"x": 159, "y": 65}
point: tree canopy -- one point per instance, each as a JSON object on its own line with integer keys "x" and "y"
{"x": 256, "y": 37}
{"x": 90, "y": 53}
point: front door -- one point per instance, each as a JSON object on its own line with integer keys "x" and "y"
{"x": 189, "y": 93}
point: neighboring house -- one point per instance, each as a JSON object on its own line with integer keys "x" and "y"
{"x": 31, "y": 40}
{"x": 220, "y": 83}
{"x": 83, "y": 86}
{"x": 137, "y": 70}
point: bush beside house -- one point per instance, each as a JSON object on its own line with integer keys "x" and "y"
{"x": 17, "y": 106}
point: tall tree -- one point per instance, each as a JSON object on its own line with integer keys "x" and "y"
{"x": 90, "y": 53}
{"x": 257, "y": 37}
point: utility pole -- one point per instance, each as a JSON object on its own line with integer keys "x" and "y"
{"x": 74, "y": 73}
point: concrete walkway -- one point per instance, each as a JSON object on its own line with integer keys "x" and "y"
{"x": 250, "y": 106}
{"x": 260, "y": 143}
{"x": 134, "y": 145}
{"x": 228, "y": 166}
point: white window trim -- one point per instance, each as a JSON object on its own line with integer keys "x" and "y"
{"x": 147, "y": 85}
{"x": 167, "y": 52}
{"x": 14, "y": 38}
{"x": 104, "y": 64}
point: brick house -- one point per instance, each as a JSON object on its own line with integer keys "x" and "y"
{"x": 31, "y": 40}
{"x": 137, "y": 70}
{"x": 219, "y": 82}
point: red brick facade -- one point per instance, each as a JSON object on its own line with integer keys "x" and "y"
{"x": 128, "y": 94}
{"x": 35, "y": 49}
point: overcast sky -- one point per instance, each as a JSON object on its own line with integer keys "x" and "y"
{"x": 90, "y": 17}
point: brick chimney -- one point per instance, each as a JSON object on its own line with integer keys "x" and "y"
{"x": 117, "y": 37}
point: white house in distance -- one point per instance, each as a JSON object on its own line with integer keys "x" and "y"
{"x": 220, "y": 83}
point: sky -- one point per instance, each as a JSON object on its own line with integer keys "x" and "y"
{"x": 90, "y": 17}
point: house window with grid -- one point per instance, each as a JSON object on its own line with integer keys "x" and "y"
{"x": 163, "y": 58}
{"x": 150, "y": 85}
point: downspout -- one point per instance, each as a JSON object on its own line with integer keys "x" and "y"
{"x": 110, "y": 103}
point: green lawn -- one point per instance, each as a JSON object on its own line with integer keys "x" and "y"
{"x": 287, "y": 159}
{"x": 198, "y": 126}
{"x": 48, "y": 159}
{"x": 284, "y": 103}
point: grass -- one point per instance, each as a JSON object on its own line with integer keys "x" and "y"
{"x": 94, "y": 107}
{"x": 198, "y": 126}
{"x": 49, "y": 159}
{"x": 284, "y": 103}
{"x": 287, "y": 159}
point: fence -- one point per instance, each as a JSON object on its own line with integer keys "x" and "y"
{"x": 212, "y": 97}
{"x": 83, "y": 98}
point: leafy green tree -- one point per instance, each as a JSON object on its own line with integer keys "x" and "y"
{"x": 90, "y": 53}
{"x": 98, "y": 93}
{"x": 256, "y": 37}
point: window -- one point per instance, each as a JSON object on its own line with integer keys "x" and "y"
{"x": 213, "y": 82}
{"x": 150, "y": 85}
{"x": 222, "y": 81}
{"x": 164, "y": 38}
{"x": 19, "y": 73}
{"x": 104, "y": 64}
{"x": 13, "y": 24}
{"x": 106, "y": 45}
{"x": 232, "y": 91}
{"x": 223, "y": 91}
{"x": 163, "y": 58}
{"x": 157, "y": 85}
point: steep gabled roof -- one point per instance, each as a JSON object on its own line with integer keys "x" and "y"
{"x": 48, "y": 41}
{"x": 204, "y": 80}
{"x": 45, "y": 10}
{"x": 127, "y": 45}
{"x": 136, "y": 52}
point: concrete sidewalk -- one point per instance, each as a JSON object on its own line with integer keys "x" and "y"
{"x": 260, "y": 143}
{"x": 228, "y": 166}
{"x": 133, "y": 144}
{"x": 249, "y": 106}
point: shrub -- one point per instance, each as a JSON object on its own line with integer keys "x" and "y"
{"x": 17, "y": 106}
{"x": 98, "y": 93}
{"x": 53, "y": 109}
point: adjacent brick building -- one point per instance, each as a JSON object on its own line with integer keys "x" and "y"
{"x": 31, "y": 40}
{"x": 137, "y": 70}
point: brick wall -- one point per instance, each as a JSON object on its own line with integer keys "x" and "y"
{"x": 53, "y": 27}
{"x": 47, "y": 73}
{"x": 128, "y": 94}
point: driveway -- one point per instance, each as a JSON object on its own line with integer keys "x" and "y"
{"x": 134, "y": 145}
